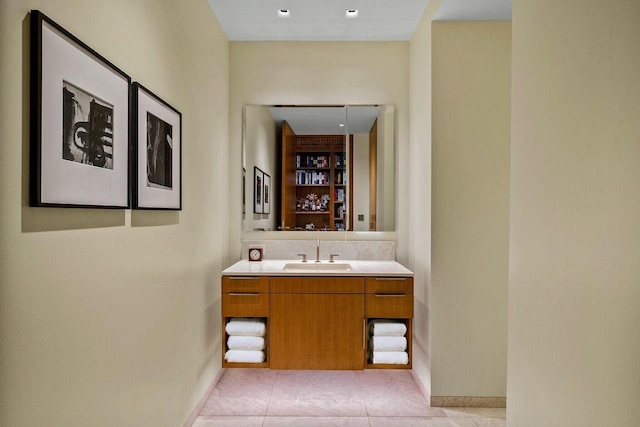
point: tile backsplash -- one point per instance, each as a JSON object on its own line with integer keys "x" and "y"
{"x": 355, "y": 250}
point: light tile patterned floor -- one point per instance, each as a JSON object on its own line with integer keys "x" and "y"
{"x": 369, "y": 398}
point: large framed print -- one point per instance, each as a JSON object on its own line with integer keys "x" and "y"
{"x": 157, "y": 160}
{"x": 79, "y": 122}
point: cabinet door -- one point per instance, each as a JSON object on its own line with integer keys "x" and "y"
{"x": 317, "y": 331}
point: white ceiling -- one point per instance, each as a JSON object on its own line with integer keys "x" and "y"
{"x": 474, "y": 10}
{"x": 318, "y": 20}
{"x": 327, "y": 120}
{"x": 324, "y": 20}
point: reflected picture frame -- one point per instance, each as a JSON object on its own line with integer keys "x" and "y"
{"x": 258, "y": 183}
{"x": 266, "y": 194}
{"x": 79, "y": 122}
{"x": 156, "y": 132}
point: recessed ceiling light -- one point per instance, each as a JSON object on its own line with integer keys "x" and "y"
{"x": 351, "y": 13}
{"x": 284, "y": 13}
{"x": 341, "y": 125}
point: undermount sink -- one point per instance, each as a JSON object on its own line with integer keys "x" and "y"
{"x": 316, "y": 266}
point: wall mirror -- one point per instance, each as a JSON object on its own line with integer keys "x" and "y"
{"x": 318, "y": 168}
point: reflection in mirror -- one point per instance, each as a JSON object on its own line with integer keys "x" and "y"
{"x": 327, "y": 168}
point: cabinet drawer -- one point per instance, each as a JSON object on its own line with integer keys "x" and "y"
{"x": 317, "y": 285}
{"x": 390, "y": 285}
{"x": 245, "y": 284}
{"x": 245, "y": 304}
{"x": 389, "y": 305}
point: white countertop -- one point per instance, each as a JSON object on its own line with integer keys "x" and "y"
{"x": 356, "y": 268}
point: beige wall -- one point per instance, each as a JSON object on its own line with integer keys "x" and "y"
{"x": 260, "y": 135}
{"x": 110, "y": 317}
{"x": 360, "y": 176}
{"x": 574, "y": 293}
{"x": 320, "y": 73}
{"x": 471, "y": 63}
{"x": 419, "y": 165}
{"x": 385, "y": 152}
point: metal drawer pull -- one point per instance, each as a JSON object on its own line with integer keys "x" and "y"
{"x": 390, "y": 295}
{"x": 246, "y": 294}
{"x": 391, "y": 278}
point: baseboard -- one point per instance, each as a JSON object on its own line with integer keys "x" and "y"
{"x": 421, "y": 386}
{"x": 469, "y": 401}
{"x": 203, "y": 400}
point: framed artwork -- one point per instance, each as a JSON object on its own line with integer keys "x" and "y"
{"x": 79, "y": 122}
{"x": 258, "y": 178}
{"x": 266, "y": 194}
{"x": 244, "y": 192}
{"x": 157, "y": 154}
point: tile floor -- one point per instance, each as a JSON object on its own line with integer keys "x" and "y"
{"x": 371, "y": 398}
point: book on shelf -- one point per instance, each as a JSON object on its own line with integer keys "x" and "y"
{"x": 310, "y": 161}
{"x": 339, "y": 195}
{"x": 305, "y": 177}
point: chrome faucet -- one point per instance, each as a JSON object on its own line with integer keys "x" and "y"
{"x": 318, "y": 250}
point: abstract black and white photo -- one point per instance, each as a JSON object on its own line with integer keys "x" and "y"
{"x": 87, "y": 128}
{"x": 157, "y": 130}
{"x": 79, "y": 124}
{"x": 159, "y": 152}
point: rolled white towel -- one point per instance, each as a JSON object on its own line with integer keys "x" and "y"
{"x": 387, "y": 328}
{"x": 246, "y": 327}
{"x": 383, "y": 343}
{"x": 244, "y": 356}
{"x": 239, "y": 342}
{"x": 392, "y": 357}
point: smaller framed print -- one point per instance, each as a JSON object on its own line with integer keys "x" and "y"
{"x": 79, "y": 122}
{"x": 157, "y": 159}
{"x": 258, "y": 178}
{"x": 266, "y": 194}
{"x": 244, "y": 192}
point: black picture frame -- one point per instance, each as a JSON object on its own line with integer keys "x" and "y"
{"x": 244, "y": 192}
{"x": 258, "y": 180}
{"x": 156, "y": 132}
{"x": 267, "y": 194}
{"x": 79, "y": 122}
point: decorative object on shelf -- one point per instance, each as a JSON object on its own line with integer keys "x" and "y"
{"x": 266, "y": 194}
{"x": 157, "y": 156}
{"x": 255, "y": 254}
{"x": 79, "y": 125}
{"x": 258, "y": 177}
{"x": 313, "y": 203}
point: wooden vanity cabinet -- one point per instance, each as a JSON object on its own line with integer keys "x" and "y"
{"x": 317, "y": 323}
{"x": 245, "y": 296}
{"x": 390, "y": 298}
